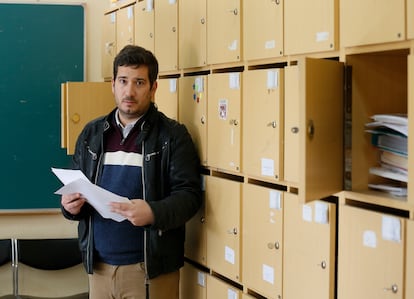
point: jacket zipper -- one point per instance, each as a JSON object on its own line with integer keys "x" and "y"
{"x": 145, "y": 230}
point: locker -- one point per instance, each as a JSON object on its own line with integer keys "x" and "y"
{"x": 262, "y": 240}
{"x": 309, "y": 249}
{"x": 310, "y": 26}
{"x": 166, "y": 97}
{"x": 217, "y": 288}
{"x": 409, "y": 260}
{"x": 109, "y": 49}
{"x": 224, "y": 124}
{"x": 192, "y": 110}
{"x": 193, "y": 33}
{"x": 263, "y": 123}
{"x": 373, "y": 266}
{"x": 410, "y": 19}
{"x": 196, "y": 236}
{"x": 223, "y": 227}
{"x": 193, "y": 282}
{"x": 125, "y": 27}
{"x": 82, "y": 102}
{"x": 371, "y": 22}
{"x": 144, "y": 24}
{"x": 313, "y": 127}
{"x": 166, "y": 34}
{"x": 223, "y": 31}
{"x": 268, "y": 41}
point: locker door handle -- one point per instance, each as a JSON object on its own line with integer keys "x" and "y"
{"x": 234, "y": 11}
{"x": 203, "y": 120}
{"x": 311, "y": 129}
{"x": 393, "y": 288}
{"x": 272, "y": 124}
{"x": 232, "y": 231}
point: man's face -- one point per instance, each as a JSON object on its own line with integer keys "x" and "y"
{"x": 132, "y": 91}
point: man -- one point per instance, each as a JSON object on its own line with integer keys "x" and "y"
{"x": 139, "y": 153}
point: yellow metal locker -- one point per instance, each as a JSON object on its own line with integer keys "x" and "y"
{"x": 309, "y": 249}
{"x": 166, "y": 97}
{"x": 193, "y": 33}
{"x": 263, "y": 123}
{"x": 144, "y": 24}
{"x": 410, "y": 19}
{"x": 166, "y": 34}
{"x": 192, "y": 111}
{"x": 223, "y": 31}
{"x": 196, "y": 236}
{"x": 311, "y": 26}
{"x": 223, "y": 227}
{"x": 82, "y": 102}
{"x": 370, "y": 254}
{"x": 268, "y": 41}
{"x": 217, "y": 288}
{"x": 371, "y": 22}
{"x": 224, "y": 124}
{"x": 313, "y": 146}
{"x": 193, "y": 282}
{"x": 109, "y": 49}
{"x": 409, "y": 260}
{"x": 124, "y": 27}
{"x": 262, "y": 240}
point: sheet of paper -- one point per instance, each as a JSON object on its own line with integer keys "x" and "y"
{"x": 76, "y": 182}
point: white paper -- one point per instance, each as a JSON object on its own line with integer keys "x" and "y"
{"x": 321, "y": 212}
{"x": 267, "y": 167}
{"x": 231, "y": 294}
{"x": 391, "y": 229}
{"x": 307, "y": 213}
{"x": 275, "y": 200}
{"x": 201, "y": 278}
{"x": 76, "y": 182}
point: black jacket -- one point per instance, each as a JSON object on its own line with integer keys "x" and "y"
{"x": 171, "y": 172}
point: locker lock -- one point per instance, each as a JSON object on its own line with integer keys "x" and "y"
{"x": 275, "y": 245}
{"x": 272, "y": 124}
{"x": 234, "y": 11}
{"x": 232, "y": 231}
{"x": 294, "y": 130}
{"x": 234, "y": 122}
{"x": 203, "y": 120}
{"x": 393, "y": 288}
{"x": 75, "y": 118}
{"x": 322, "y": 264}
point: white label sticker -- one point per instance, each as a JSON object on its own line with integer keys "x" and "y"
{"x": 272, "y": 79}
{"x": 268, "y": 274}
{"x": 274, "y": 200}
{"x": 267, "y": 167}
{"x": 201, "y": 279}
{"x": 270, "y": 44}
{"x": 321, "y": 212}
{"x": 234, "y": 80}
{"x": 222, "y": 108}
{"x": 173, "y": 85}
{"x": 231, "y": 294}
{"x": 307, "y": 213}
{"x": 369, "y": 239}
{"x": 391, "y": 229}
{"x": 229, "y": 255}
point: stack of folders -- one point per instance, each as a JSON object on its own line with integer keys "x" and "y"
{"x": 389, "y": 133}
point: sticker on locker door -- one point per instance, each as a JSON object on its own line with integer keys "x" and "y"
{"x": 369, "y": 239}
{"x": 223, "y": 108}
{"x": 391, "y": 229}
{"x": 229, "y": 255}
{"x": 268, "y": 274}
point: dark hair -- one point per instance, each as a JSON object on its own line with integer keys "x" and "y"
{"x": 136, "y": 56}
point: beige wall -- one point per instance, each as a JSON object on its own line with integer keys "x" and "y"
{"x": 94, "y": 10}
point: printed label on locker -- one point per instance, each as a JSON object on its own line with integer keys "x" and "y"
{"x": 268, "y": 274}
{"x": 391, "y": 229}
{"x": 234, "y": 81}
{"x": 322, "y": 36}
{"x": 201, "y": 278}
{"x": 233, "y": 46}
{"x": 272, "y": 79}
{"x": 268, "y": 167}
{"x": 307, "y": 213}
{"x": 199, "y": 84}
{"x": 231, "y": 294}
{"x": 222, "y": 108}
{"x": 270, "y": 44}
{"x": 229, "y": 255}
{"x": 173, "y": 85}
{"x": 274, "y": 200}
{"x": 321, "y": 212}
{"x": 150, "y": 5}
{"x": 369, "y": 239}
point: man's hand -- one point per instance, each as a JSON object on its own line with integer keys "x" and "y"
{"x": 73, "y": 202}
{"x": 137, "y": 211}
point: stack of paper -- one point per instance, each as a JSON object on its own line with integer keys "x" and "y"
{"x": 76, "y": 182}
{"x": 390, "y": 136}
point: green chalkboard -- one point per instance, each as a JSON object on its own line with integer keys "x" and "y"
{"x": 41, "y": 46}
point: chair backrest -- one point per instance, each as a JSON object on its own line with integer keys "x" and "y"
{"x": 6, "y": 268}
{"x": 50, "y": 268}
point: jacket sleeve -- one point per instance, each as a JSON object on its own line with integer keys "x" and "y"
{"x": 182, "y": 183}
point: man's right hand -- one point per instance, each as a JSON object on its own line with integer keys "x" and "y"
{"x": 73, "y": 202}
